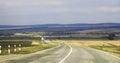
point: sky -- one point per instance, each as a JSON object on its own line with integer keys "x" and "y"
{"x": 30, "y": 12}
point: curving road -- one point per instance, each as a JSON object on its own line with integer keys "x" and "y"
{"x": 67, "y": 54}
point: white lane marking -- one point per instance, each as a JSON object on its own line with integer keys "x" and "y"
{"x": 66, "y": 55}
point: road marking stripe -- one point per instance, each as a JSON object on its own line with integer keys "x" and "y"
{"x": 66, "y": 55}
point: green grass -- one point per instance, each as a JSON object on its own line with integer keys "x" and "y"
{"x": 33, "y": 48}
{"x": 36, "y": 46}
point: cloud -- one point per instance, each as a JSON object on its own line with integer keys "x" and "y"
{"x": 17, "y": 3}
{"x": 46, "y": 11}
{"x": 89, "y": 10}
{"x": 109, "y": 9}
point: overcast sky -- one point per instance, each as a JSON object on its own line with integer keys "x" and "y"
{"x": 27, "y": 12}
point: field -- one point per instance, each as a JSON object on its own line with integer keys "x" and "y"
{"x": 36, "y": 45}
{"x": 34, "y": 48}
{"x": 112, "y": 46}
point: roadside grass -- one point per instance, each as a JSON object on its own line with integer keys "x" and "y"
{"x": 112, "y": 46}
{"x": 33, "y": 48}
{"x": 36, "y": 46}
{"x": 112, "y": 49}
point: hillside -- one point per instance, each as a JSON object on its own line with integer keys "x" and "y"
{"x": 59, "y": 27}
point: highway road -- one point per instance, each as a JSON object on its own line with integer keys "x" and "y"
{"x": 67, "y": 54}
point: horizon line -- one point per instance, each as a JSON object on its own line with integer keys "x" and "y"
{"x": 57, "y": 23}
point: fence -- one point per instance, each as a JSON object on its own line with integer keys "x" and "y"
{"x": 12, "y": 46}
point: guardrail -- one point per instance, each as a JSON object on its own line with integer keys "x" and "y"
{"x": 9, "y": 47}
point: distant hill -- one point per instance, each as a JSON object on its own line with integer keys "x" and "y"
{"x": 6, "y": 26}
{"x": 59, "y": 27}
{"x": 62, "y": 25}
{"x": 78, "y": 25}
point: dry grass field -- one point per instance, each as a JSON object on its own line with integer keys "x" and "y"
{"x": 105, "y": 45}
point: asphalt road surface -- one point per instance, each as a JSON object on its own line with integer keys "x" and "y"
{"x": 67, "y": 54}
